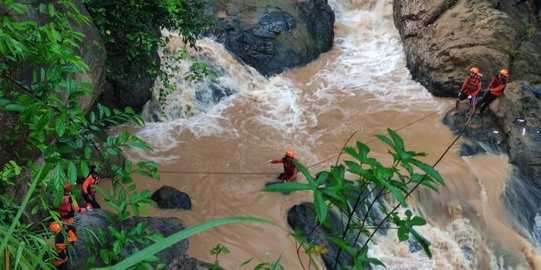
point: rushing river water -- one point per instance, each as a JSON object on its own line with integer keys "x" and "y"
{"x": 215, "y": 148}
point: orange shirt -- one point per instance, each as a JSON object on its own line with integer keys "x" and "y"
{"x": 497, "y": 86}
{"x": 89, "y": 181}
{"x": 472, "y": 85}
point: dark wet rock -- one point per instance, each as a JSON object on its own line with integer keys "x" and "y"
{"x": 170, "y": 198}
{"x": 89, "y": 222}
{"x": 414, "y": 246}
{"x": 185, "y": 263}
{"x": 165, "y": 226}
{"x": 274, "y": 23}
{"x": 133, "y": 91}
{"x": 524, "y": 139}
{"x": 483, "y": 133}
{"x": 274, "y": 36}
{"x": 467, "y": 150}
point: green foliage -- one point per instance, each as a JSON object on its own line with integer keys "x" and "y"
{"x": 513, "y": 54}
{"x": 447, "y": 4}
{"x": 270, "y": 264}
{"x": 52, "y": 124}
{"x": 216, "y": 251}
{"x": 529, "y": 31}
{"x": 130, "y": 30}
{"x": 373, "y": 186}
{"x": 115, "y": 243}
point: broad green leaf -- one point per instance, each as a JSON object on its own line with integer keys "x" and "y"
{"x": 72, "y": 173}
{"x": 397, "y": 194}
{"x": 403, "y": 233}
{"x": 287, "y": 187}
{"x": 353, "y": 167}
{"x": 14, "y": 107}
{"x": 425, "y": 244}
{"x": 320, "y": 205}
{"x": 352, "y": 152}
{"x": 417, "y": 221}
{"x": 305, "y": 172}
{"x": 321, "y": 177}
{"x": 397, "y": 141}
{"x": 176, "y": 237}
{"x": 429, "y": 170}
{"x": 59, "y": 128}
{"x": 386, "y": 141}
{"x": 87, "y": 152}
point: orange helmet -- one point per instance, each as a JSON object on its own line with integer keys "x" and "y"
{"x": 55, "y": 227}
{"x": 475, "y": 70}
{"x": 504, "y": 72}
{"x": 290, "y": 154}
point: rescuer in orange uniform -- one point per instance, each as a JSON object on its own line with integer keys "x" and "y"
{"x": 496, "y": 87}
{"x": 290, "y": 171}
{"x": 89, "y": 192}
{"x": 470, "y": 88}
{"x": 60, "y": 244}
{"x": 68, "y": 207}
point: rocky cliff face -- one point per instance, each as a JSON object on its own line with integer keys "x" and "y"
{"x": 273, "y": 36}
{"x": 444, "y": 38}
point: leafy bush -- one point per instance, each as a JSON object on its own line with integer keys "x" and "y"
{"x": 130, "y": 30}
{"x": 529, "y": 31}
{"x": 373, "y": 186}
{"x": 52, "y": 124}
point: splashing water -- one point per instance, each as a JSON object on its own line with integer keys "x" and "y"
{"x": 236, "y": 121}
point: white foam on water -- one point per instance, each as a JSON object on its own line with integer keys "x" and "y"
{"x": 372, "y": 59}
{"x": 457, "y": 246}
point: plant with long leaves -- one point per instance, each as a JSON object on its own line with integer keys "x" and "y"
{"x": 363, "y": 201}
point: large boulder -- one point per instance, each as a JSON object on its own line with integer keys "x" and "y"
{"x": 274, "y": 36}
{"x": 165, "y": 226}
{"x": 301, "y": 217}
{"x": 170, "y": 198}
{"x": 186, "y": 263}
{"x": 443, "y": 39}
{"x": 524, "y": 138}
{"x": 86, "y": 225}
{"x": 89, "y": 222}
{"x": 133, "y": 89}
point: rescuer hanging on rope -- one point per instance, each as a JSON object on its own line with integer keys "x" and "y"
{"x": 290, "y": 171}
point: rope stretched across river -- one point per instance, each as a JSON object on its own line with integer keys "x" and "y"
{"x": 315, "y": 164}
